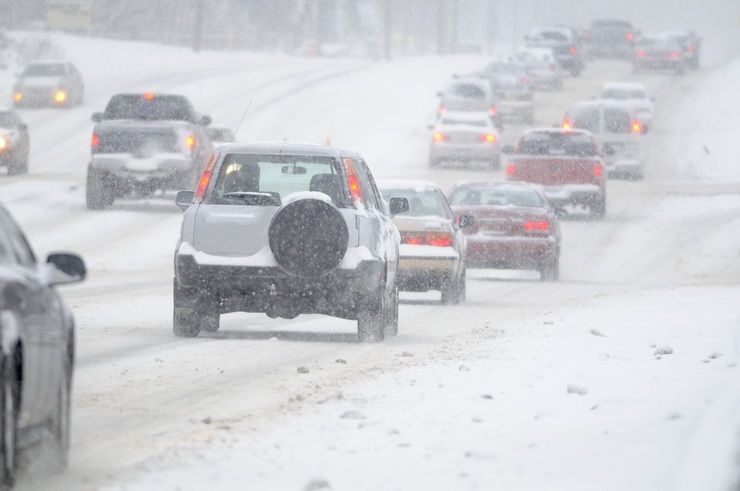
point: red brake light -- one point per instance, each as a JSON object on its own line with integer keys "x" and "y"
{"x": 636, "y": 126}
{"x": 488, "y": 138}
{"x": 598, "y": 170}
{"x": 640, "y": 53}
{"x": 441, "y": 109}
{"x": 148, "y": 96}
{"x": 675, "y": 55}
{"x": 537, "y": 226}
{"x": 573, "y": 50}
{"x": 511, "y": 169}
{"x": 630, "y": 36}
{"x": 492, "y": 111}
{"x": 567, "y": 124}
{"x": 439, "y": 137}
{"x": 435, "y": 239}
{"x": 353, "y": 181}
{"x": 205, "y": 179}
{"x": 439, "y": 239}
{"x": 95, "y": 141}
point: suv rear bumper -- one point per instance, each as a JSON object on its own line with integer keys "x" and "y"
{"x": 575, "y": 194}
{"x": 125, "y": 169}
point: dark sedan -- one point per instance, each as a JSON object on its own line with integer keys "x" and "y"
{"x": 514, "y": 227}
{"x": 37, "y": 348}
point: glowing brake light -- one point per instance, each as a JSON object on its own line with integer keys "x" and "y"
{"x": 95, "y": 141}
{"x": 573, "y": 50}
{"x": 190, "y": 142}
{"x": 434, "y": 239}
{"x": 598, "y": 170}
{"x": 60, "y": 96}
{"x": 488, "y": 138}
{"x": 640, "y": 53}
{"x": 537, "y": 226}
{"x": 441, "y": 109}
{"x": 148, "y": 96}
{"x": 18, "y": 96}
{"x": 205, "y": 180}
{"x": 439, "y": 137}
{"x": 3, "y": 143}
{"x": 567, "y": 124}
{"x": 636, "y": 126}
{"x": 630, "y": 36}
{"x": 492, "y": 111}
{"x": 353, "y": 181}
{"x": 675, "y": 55}
{"x": 511, "y": 169}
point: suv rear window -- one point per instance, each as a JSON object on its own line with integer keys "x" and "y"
{"x": 495, "y": 196}
{"x": 557, "y": 143}
{"x": 44, "y": 70}
{"x": 166, "y": 107}
{"x": 427, "y": 203}
{"x": 616, "y": 121}
{"x": 585, "y": 118}
{"x": 277, "y": 175}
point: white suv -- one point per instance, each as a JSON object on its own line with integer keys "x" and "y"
{"x": 287, "y": 229}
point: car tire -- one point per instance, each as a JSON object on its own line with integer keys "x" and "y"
{"x": 61, "y": 423}
{"x": 598, "y": 210}
{"x": 454, "y": 290}
{"x": 18, "y": 165}
{"x": 391, "y": 315}
{"x": 8, "y": 423}
{"x": 371, "y": 320}
{"x": 185, "y": 323}
{"x": 550, "y": 271}
{"x": 97, "y": 194}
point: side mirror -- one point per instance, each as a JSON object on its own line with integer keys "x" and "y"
{"x": 97, "y": 117}
{"x": 509, "y": 149}
{"x": 205, "y": 120}
{"x": 399, "y": 205}
{"x": 64, "y": 268}
{"x": 184, "y": 199}
{"x": 465, "y": 221}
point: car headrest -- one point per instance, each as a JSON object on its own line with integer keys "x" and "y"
{"x": 329, "y": 184}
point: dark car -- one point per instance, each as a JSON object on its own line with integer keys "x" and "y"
{"x": 14, "y": 142}
{"x": 690, "y": 45}
{"x": 145, "y": 143}
{"x": 287, "y": 229}
{"x": 513, "y": 227}
{"x": 660, "y": 52}
{"x": 564, "y": 44}
{"x": 49, "y": 83}
{"x": 38, "y": 347}
{"x": 611, "y": 38}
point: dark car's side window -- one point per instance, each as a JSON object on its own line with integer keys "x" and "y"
{"x": 17, "y": 241}
{"x": 6, "y": 250}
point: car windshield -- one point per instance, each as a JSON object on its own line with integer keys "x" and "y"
{"x": 6, "y": 119}
{"x": 149, "y": 107}
{"x": 481, "y": 123}
{"x": 468, "y": 91}
{"x": 623, "y": 94}
{"x": 44, "y": 70}
{"x": 495, "y": 196}
{"x": 551, "y": 36}
{"x": 421, "y": 203}
{"x": 557, "y": 143}
{"x": 277, "y": 175}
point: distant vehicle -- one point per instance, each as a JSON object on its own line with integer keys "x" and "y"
{"x": 611, "y": 38}
{"x": 14, "y": 142}
{"x": 564, "y": 45}
{"x": 287, "y": 229}
{"x": 659, "y": 52}
{"x": 465, "y": 137}
{"x": 689, "y": 42}
{"x": 565, "y": 162}
{"x": 507, "y": 69}
{"x": 220, "y": 134}
{"x": 634, "y": 95}
{"x": 38, "y": 348}
{"x": 468, "y": 94}
{"x": 514, "y": 99}
{"x": 514, "y": 227}
{"x": 143, "y": 143}
{"x": 49, "y": 83}
{"x": 432, "y": 251}
{"x": 542, "y": 67}
{"x": 616, "y": 131}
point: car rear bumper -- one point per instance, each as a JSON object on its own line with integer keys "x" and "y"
{"x": 660, "y": 63}
{"x": 574, "y": 194}
{"x": 427, "y": 269}
{"x": 510, "y": 252}
{"x": 467, "y": 152}
{"x": 126, "y": 170}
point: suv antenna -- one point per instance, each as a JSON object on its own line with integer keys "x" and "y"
{"x": 236, "y": 131}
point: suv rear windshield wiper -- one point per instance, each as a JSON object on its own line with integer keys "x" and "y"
{"x": 254, "y": 198}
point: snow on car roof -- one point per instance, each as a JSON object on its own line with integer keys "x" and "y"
{"x": 607, "y": 103}
{"x": 623, "y": 86}
{"x": 418, "y": 186}
{"x": 561, "y": 30}
{"x": 287, "y": 148}
{"x": 556, "y": 130}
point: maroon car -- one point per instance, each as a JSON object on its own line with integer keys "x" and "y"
{"x": 515, "y": 227}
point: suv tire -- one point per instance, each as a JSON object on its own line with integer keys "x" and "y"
{"x": 97, "y": 194}
{"x": 61, "y": 422}
{"x": 454, "y": 290}
{"x": 8, "y": 422}
{"x": 371, "y": 321}
{"x": 550, "y": 271}
{"x": 391, "y": 315}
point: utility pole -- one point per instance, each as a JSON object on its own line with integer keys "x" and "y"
{"x": 441, "y": 27}
{"x": 198, "y": 25}
{"x": 490, "y": 23}
{"x": 387, "y": 28}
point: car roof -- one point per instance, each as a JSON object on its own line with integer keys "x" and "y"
{"x": 467, "y": 115}
{"x": 623, "y": 86}
{"x": 407, "y": 184}
{"x": 286, "y": 148}
{"x": 47, "y": 62}
{"x": 498, "y": 184}
{"x": 557, "y": 130}
{"x": 602, "y": 103}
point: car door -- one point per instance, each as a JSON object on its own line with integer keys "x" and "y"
{"x": 42, "y": 332}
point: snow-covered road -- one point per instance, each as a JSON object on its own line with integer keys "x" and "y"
{"x": 528, "y": 385}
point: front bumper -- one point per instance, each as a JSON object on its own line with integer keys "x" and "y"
{"x": 510, "y": 252}
{"x": 38, "y": 96}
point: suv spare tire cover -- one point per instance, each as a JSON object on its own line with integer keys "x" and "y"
{"x": 308, "y": 237}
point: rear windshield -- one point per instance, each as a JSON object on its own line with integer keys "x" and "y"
{"x": 557, "y": 143}
{"x": 149, "y": 108}
{"x": 616, "y": 121}
{"x": 467, "y": 122}
{"x": 585, "y": 118}
{"x": 278, "y": 176}
{"x": 623, "y": 94}
{"x": 468, "y": 91}
{"x": 421, "y": 203}
{"x": 551, "y": 36}
{"x": 495, "y": 196}
{"x": 44, "y": 70}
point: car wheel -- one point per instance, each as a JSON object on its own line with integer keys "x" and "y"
{"x": 454, "y": 290}
{"x": 370, "y": 322}
{"x": 61, "y": 423}
{"x": 18, "y": 165}
{"x": 550, "y": 271}
{"x": 97, "y": 194}
{"x": 598, "y": 210}
{"x": 496, "y": 162}
{"x": 185, "y": 323}
{"x": 8, "y": 422}
{"x": 391, "y": 315}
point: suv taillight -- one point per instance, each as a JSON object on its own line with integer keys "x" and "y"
{"x": 94, "y": 141}
{"x": 435, "y": 239}
{"x": 598, "y": 170}
{"x": 511, "y": 169}
{"x": 205, "y": 180}
{"x": 353, "y": 181}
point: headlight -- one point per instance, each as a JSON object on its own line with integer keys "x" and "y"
{"x": 60, "y": 96}
{"x": 18, "y": 96}
{"x": 4, "y": 142}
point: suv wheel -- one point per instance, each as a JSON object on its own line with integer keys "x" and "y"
{"x": 371, "y": 320}
{"x": 550, "y": 271}
{"x": 97, "y": 194}
{"x": 391, "y": 315}
{"x": 61, "y": 422}
{"x": 454, "y": 290}
{"x": 8, "y": 422}
{"x": 598, "y": 210}
{"x": 185, "y": 323}
{"x": 18, "y": 165}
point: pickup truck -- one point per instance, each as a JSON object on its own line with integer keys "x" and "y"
{"x": 566, "y": 163}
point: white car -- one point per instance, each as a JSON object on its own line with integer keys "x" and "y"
{"x": 542, "y": 66}
{"x": 633, "y": 94}
{"x": 465, "y": 94}
{"x": 465, "y": 137}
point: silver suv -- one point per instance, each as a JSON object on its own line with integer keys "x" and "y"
{"x": 287, "y": 229}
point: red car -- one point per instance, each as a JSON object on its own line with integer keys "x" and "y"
{"x": 515, "y": 227}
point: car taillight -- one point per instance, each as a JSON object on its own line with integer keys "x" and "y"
{"x": 640, "y": 53}
{"x": 573, "y": 50}
{"x": 148, "y": 96}
{"x": 537, "y": 226}
{"x": 636, "y": 126}
{"x": 488, "y": 138}
{"x": 675, "y": 55}
{"x": 441, "y": 109}
{"x": 598, "y": 170}
{"x": 190, "y": 142}
{"x": 630, "y": 36}
{"x": 94, "y": 141}
{"x": 60, "y": 96}
{"x": 3, "y": 143}
{"x": 511, "y": 169}
{"x": 567, "y": 124}
{"x": 205, "y": 180}
{"x": 353, "y": 181}
{"x": 435, "y": 239}
{"x": 492, "y": 111}
{"x": 18, "y": 96}
{"x": 440, "y": 137}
